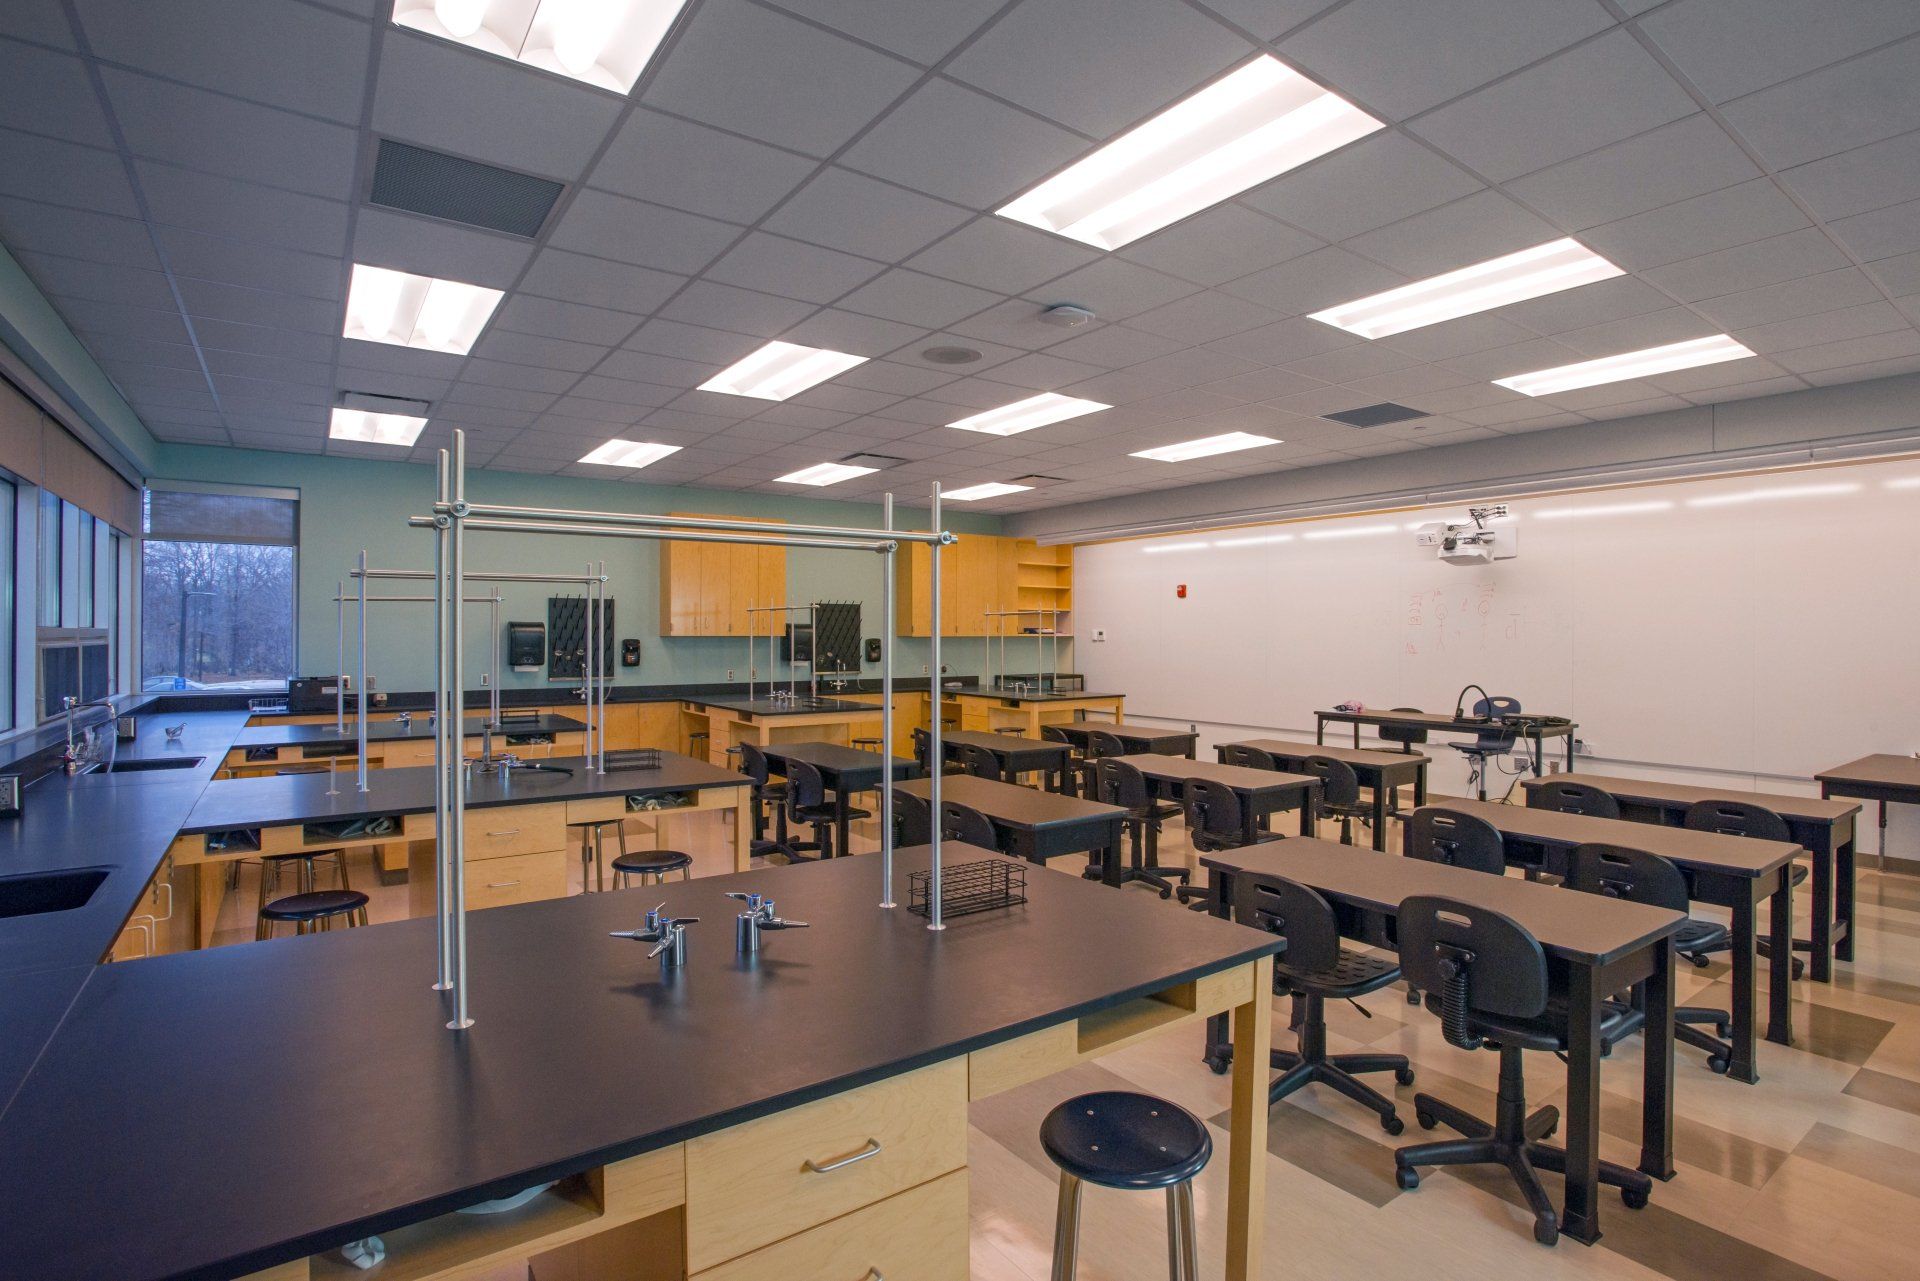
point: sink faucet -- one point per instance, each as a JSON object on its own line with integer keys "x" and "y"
{"x": 759, "y": 916}
{"x": 668, "y": 934}
{"x": 71, "y": 758}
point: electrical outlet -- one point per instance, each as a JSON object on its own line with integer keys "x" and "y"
{"x": 729, "y": 673}
{"x": 1099, "y": 634}
{"x": 923, "y": 669}
{"x": 1581, "y": 747}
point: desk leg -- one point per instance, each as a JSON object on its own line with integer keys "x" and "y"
{"x": 1780, "y": 964}
{"x": 1843, "y": 899}
{"x": 1379, "y": 815}
{"x": 1219, "y": 1049}
{"x": 1319, "y": 729}
{"x": 1820, "y": 913}
{"x": 1745, "y": 991}
{"x": 1110, "y": 857}
{"x": 1580, "y": 1219}
{"x": 1656, "y": 1090}
{"x": 743, "y": 812}
{"x": 842, "y": 802}
{"x": 1247, "y": 1153}
{"x": 1307, "y": 826}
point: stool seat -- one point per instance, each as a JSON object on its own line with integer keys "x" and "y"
{"x": 653, "y": 862}
{"x": 1119, "y": 1139}
{"x": 315, "y": 905}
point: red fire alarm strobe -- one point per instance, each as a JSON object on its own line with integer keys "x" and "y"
{"x": 1180, "y": 590}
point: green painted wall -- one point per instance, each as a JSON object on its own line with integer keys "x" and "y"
{"x": 350, "y": 504}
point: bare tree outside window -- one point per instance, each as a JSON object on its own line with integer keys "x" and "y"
{"x": 217, "y": 613}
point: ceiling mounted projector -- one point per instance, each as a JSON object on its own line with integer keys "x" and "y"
{"x": 1475, "y": 542}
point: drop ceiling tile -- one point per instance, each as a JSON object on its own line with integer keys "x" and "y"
{"x": 50, "y": 93}
{"x": 1373, "y": 182}
{"x": 927, "y": 413}
{"x": 1269, "y": 19}
{"x": 951, "y": 142}
{"x": 1735, "y": 215}
{"x": 915, "y": 299}
{"x": 1863, "y": 321}
{"x": 991, "y": 354}
{"x": 1870, "y": 177}
{"x": 1458, "y": 337}
{"x": 741, "y": 310}
{"x": 240, "y": 364}
{"x": 1900, "y": 275}
{"x": 202, "y": 130}
{"x": 531, "y": 349}
{"x": 848, "y": 211}
{"x": 1312, "y": 281}
{"x": 243, "y": 210}
{"x": 1799, "y": 253}
{"x": 1220, "y": 244}
{"x": 689, "y": 166}
{"x": 1733, "y": 47}
{"x": 1594, "y": 401}
{"x": 1471, "y": 395}
{"x": 1098, "y": 66}
{"x": 791, "y": 268}
{"x": 924, "y": 33}
{"x": 1043, "y": 371}
{"x": 429, "y": 247}
{"x": 573, "y": 321}
{"x": 619, "y": 391}
{"x": 597, "y": 282}
{"x": 599, "y": 411}
{"x": 891, "y": 378}
{"x": 1687, "y": 158}
{"x": 1746, "y": 391}
{"x": 502, "y": 374}
{"x": 259, "y": 306}
{"x": 1260, "y": 384}
{"x": 853, "y": 333}
{"x": 975, "y": 394}
{"x": 1185, "y": 402}
{"x": 1400, "y": 384}
{"x": 1113, "y": 289}
{"x": 645, "y": 367}
{"x": 993, "y": 253}
{"x": 1890, "y": 368}
{"x": 1193, "y": 366}
{"x": 62, "y": 173}
{"x": 1867, "y": 99}
{"x": 1654, "y": 329}
{"x": 1116, "y": 346}
{"x": 645, "y": 235}
{"x": 1504, "y": 362}
{"x": 235, "y": 262}
{"x": 299, "y": 343}
{"x": 1481, "y": 226}
{"x": 811, "y": 417}
{"x": 733, "y": 66}
{"x": 1882, "y": 233}
{"x": 1716, "y": 378}
{"x": 101, "y": 238}
{"x": 1591, "y": 304}
{"x": 40, "y": 23}
{"x": 1349, "y": 363}
{"x": 1017, "y": 323}
{"x": 1286, "y": 341}
{"x": 62, "y": 277}
{"x": 1383, "y": 51}
{"x": 1593, "y": 94}
{"x": 137, "y": 379}
{"x": 152, "y": 324}
{"x": 662, "y": 337}
{"x": 295, "y": 56}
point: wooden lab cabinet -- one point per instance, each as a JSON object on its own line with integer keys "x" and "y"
{"x": 706, "y": 588}
{"x": 978, "y": 575}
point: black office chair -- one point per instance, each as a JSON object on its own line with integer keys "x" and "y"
{"x": 1339, "y": 793}
{"x": 1248, "y": 757}
{"x": 808, "y": 806}
{"x": 1486, "y": 977}
{"x": 1737, "y": 818}
{"x": 1405, "y": 735}
{"x": 1440, "y": 835}
{"x": 1100, "y": 743}
{"x": 979, "y": 762}
{"x": 1212, "y": 813}
{"x": 1313, "y": 969}
{"x": 1490, "y": 742}
{"x": 755, "y": 765}
{"x": 964, "y": 823}
{"x": 912, "y": 819}
{"x": 1565, "y": 796}
{"x": 922, "y": 745}
{"x": 1079, "y": 770}
{"x": 1640, "y": 877}
{"x": 1119, "y": 782}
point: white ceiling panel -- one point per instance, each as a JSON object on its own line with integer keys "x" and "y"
{"x": 97, "y": 282}
{"x": 259, "y": 306}
{"x": 951, "y": 142}
{"x": 1900, "y": 345}
{"x": 856, "y": 334}
{"x": 234, "y": 262}
{"x": 922, "y": 32}
{"x": 1900, "y": 275}
{"x": 645, "y": 235}
{"x": 1113, "y": 289}
{"x": 690, "y": 166}
{"x": 28, "y": 224}
{"x": 1689, "y": 157}
{"x": 63, "y": 173}
{"x": 50, "y": 93}
{"x": 1807, "y": 252}
{"x": 1203, "y": 317}
{"x": 1481, "y": 226}
{"x": 1867, "y": 99}
{"x": 997, "y": 254}
{"x": 740, "y": 310}
{"x": 1805, "y": 296}
{"x": 242, "y": 210}
{"x": 1116, "y": 345}
{"x": 856, "y": 214}
{"x": 1735, "y": 215}
{"x": 1870, "y": 177}
{"x": 915, "y": 299}
{"x": 428, "y": 247}
{"x": 1221, "y": 244}
{"x": 1882, "y": 233}
{"x": 598, "y": 282}
{"x": 792, "y": 268}
{"x": 573, "y": 321}
{"x": 1315, "y": 280}
{"x": 223, "y": 135}
{"x": 1376, "y": 181}
{"x": 120, "y": 321}
{"x": 1863, "y": 321}
{"x": 1733, "y": 47}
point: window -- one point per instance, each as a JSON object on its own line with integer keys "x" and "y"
{"x": 51, "y": 545}
{"x": 217, "y": 580}
{"x": 9, "y": 497}
{"x": 86, "y": 561}
{"x": 116, "y": 550}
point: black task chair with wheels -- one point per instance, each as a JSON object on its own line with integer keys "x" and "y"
{"x": 912, "y": 819}
{"x": 1440, "y": 835}
{"x": 1639, "y": 877}
{"x": 1565, "y": 796}
{"x": 964, "y": 823}
{"x": 1100, "y": 743}
{"x": 1079, "y": 770}
{"x": 1490, "y": 742}
{"x": 1119, "y": 782}
{"x": 1213, "y": 817}
{"x": 1339, "y": 793}
{"x": 1486, "y": 977}
{"x": 1405, "y": 735}
{"x": 807, "y": 806}
{"x": 922, "y": 745}
{"x": 1247, "y": 757}
{"x": 1738, "y": 818}
{"x": 979, "y": 762}
{"x": 754, "y": 764}
{"x": 1313, "y": 969}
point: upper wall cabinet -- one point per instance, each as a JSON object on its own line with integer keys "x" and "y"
{"x": 980, "y": 575}
{"x": 706, "y": 588}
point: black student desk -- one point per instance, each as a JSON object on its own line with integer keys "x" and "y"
{"x": 1736, "y": 872}
{"x": 1261, "y": 792}
{"x": 1381, "y": 771}
{"x": 1594, "y": 947}
{"x": 1447, "y": 723}
{"x": 1015, "y": 755}
{"x": 1881, "y": 777}
{"x": 1036, "y": 825}
{"x": 1135, "y": 738}
{"x": 844, "y": 770}
{"x": 1823, "y": 828}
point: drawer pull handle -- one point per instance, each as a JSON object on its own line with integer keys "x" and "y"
{"x": 871, "y": 1149}
{"x": 511, "y": 831}
{"x": 501, "y": 885}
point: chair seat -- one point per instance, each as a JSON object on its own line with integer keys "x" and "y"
{"x": 856, "y": 812}
{"x": 1354, "y": 974}
{"x": 1119, "y": 1139}
{"x": 1699, "y": 936}
{"x": 651, "y": 862}
{"x": 315, "y": 905}
{"x": 816, "y": 813}
{"x": 1549, "y": 1030}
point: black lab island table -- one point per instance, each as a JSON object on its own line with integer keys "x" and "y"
{"x": 1035, "y": 825}
{"x": 844, "y": 771}
{"x": 1014, "y": 754}
{"x": 220, "y": 1114}
{"x": 1604, "y": 945}
{"x": 1383, "y": 772}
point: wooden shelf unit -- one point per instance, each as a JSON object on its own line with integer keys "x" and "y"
{"x": 977, "y": 574}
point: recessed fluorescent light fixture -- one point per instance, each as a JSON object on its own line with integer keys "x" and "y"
{"x": 1241, "y": 130}
{"x": 629, "y": 453}
{"x": 416, "y": 311}
{"x": 1904, "y": 482}
{"x": 991, "y": 489}
{"x": 1025, "y": 415}
{"x": 606, "y": 43}
{"x": 1603, "y": 509}
{"x": 779, "y": 370}
{"x": 375, "y": 429}
{"x": 1206, "y": 447}
{"x": 1258, "y": 540}
{"x": 1632, "y": 364}
{"x": 1352, "y": 531}
{"x": 1160, "y": 548}
{"x": 1772, "y": 495}
{"x": 824, "y": 474}
{"x": 1530, "y": 273}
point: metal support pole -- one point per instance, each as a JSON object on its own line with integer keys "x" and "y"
{"x": 886, "y": 709}
{"x": 589, "y": 662}
{"x": 360, "y": 705}
{"x": 606, "y": 684}
{"x": 456, "y": 784}
{"x": 340, "y": 650}
{"x": 444, "y": 978}
{"x": 493, "y": 661}
{"x": 778, "y": 533}
{"x": 936, "y": 750}
{"x": 813, "y": 650}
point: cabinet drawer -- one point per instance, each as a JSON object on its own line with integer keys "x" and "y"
{"x": 919, "y": 1235}
{"x": 516, "y": 878}
{"x": 516, "y": 829}
{"x": 760, "y": 1182}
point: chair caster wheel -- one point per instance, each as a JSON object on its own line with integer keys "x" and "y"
{"x": 1403, "y": 1076}
{"x": 1165, "y": 895}
{"x": 1546, "y": 1229}
{"x": 1407, "y": 1177}
{"x": 1634, "y": 1198}
{"x": 1724, "y": 1029}
{"x": 1392, "y": 1124}
{"x": 1717, "y": 1065}
{"x": 1427, "y": 1120}
{"x": 1413, "y": 996}
{"x": 1218, "y": 1064}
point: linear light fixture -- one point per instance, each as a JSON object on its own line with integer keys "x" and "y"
{"x": 1772, "y": 494}
{"x": 1159, "y": 549}
{"x": 606, "y": 43}
{"x": 824, "y": 474}
{"x": 1351, "y": 531}
{"x": 1516, "y": 277}
{"x": 1602, "y": 509}
{"x": 1258, "y": 540}
{"x": 1238, "y": 132}
{"x": 1904, "y": 482}
{"x": 991, "y": 489}
{"x": 1206, "y": 447}
{"x": 1025, "y": 415}
{"x": 629, "y": 453}
{"x": 779, "y": 370}
{"x": 1631, "y": 364}
{"x": 406, "y": 310}
{"x": 375, "y": 429}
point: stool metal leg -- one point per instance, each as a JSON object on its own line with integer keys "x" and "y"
{"x": 1189, "y": 1255}
{"x": 1066, "y": 1230}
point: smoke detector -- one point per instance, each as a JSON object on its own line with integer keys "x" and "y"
{"x": 1067, "y": 316}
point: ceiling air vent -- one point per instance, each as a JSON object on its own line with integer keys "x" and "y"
{"x": 1376, "y": 415}
{"x": 419, "y": 181}
{"x": 879, "y": 462}
{"x": 1036, "y": 481}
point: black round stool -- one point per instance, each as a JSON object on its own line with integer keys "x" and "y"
{"x": 651, "y": 866}
{"x": 1136, "y": 1142}
{"x": 867, "y": 744}
{"x": 314, "y": 911}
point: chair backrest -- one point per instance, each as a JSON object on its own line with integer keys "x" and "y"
{"x": 1405, "y": 735}
{"x": 1570, "y": 797}
{"x": 805, "y": 787}
{"x": 1212, "y": 812}
{"x": 922, "y": 744}
{"x": 1461, "y": 840}
{"x": 1339, "y": 785}
{"x": 1100, "y": 743}
{"x": 1054, "y": 734}
{"x": 1119, "y": 782}
{"x": 1296, "y": 913}
{"x": 1737, "y": 818}
{"x": 1474, "y": 960}
{"x": 912, "y": 818}
{"x": 1250, "y": 757}
{"x": 1619, "y": 872}
{"x": 754, "y": 764}
{"x": 978, "y": 761}
{"x": 964, "y": 823}
{"x": 1496, "y": 705}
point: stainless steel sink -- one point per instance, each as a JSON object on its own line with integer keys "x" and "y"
{"x": 154, "y": 763}
{"x": 38, "y": 892}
